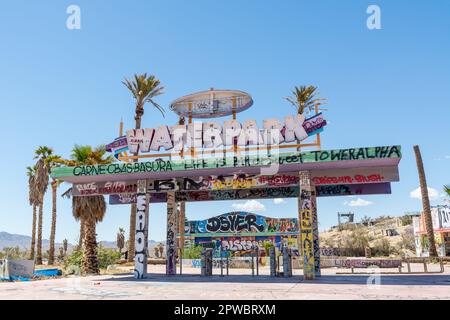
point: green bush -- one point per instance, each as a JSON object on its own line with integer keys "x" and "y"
{"x": 194, "y": 252}
{"x": 74, "y": 259}
{"x": 106, "y": 256}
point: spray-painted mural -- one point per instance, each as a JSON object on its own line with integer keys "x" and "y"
{"x": 243, "y": 222}
{"x": 238, "y": 233}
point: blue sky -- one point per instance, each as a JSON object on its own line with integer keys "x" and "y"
{"x": 385, "y": 87}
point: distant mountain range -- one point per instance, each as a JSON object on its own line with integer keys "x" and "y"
{"x": 24, "y": 242}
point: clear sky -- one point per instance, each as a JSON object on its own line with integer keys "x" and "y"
{"x": 59, "y": 87}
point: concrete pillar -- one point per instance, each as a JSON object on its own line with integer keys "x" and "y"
{"x": 171, "y": 243}
{"x": 206, "y": 262}
{"x": 273, "y": 262}
{"x": 181, "y": 219}
{"x": 141, "y": 238}
{"x": 315, "y": 231}
{"x": 305, "y": 218}
{"x": 287, "y": 266}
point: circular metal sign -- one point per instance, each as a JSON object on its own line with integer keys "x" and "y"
{"x": 212, "y": 103}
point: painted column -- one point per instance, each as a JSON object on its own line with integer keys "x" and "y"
{"x": 181, "y": 219}
{"x": 315, "y": 231}
{"x": 305, "y": 218}
{"x": 273, "y": 262}
{"x": 141, "y": 243}
{"x": 171, "y": 244}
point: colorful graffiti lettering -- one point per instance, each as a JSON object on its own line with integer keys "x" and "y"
{"x": 232, "y": 162}
{"x": 140, "y": 267}
{"x": 240, "y": 222}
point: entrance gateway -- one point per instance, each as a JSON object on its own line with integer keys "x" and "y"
{"x": 232, "y": 160}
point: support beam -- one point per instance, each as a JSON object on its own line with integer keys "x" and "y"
{"x": 305, "y": 218}
{"x": 171, "y": 244}
{"x": 141, "y": 238}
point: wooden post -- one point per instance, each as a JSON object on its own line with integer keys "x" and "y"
{"x": 171, "y": 244}
{"x": 305, "y": 211}
{"x": 141, "y": 236}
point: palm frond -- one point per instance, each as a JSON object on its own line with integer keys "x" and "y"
{"x": 447, "y": 189}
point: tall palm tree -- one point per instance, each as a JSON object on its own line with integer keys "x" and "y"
{"x": 41, "y": 183}
{"x": 305, "y": 98}
{"x": 143, "y": 89}
{"x": 88, "y": 210}
{"x": 425, "y": 202}
{"x": 53, "y": 161}
{"x": 33, "y": 200}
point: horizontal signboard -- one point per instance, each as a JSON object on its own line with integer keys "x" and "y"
{"x": 262, "y": 193}
{"x": 249, "y": 161}
{"x": 241, "y": 181}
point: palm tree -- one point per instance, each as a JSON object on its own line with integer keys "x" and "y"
{"x": 425, "y": 202}
{"x": 143, "y": 90}
{"x": 41, "y": 184}
{"x": 447, "y": 189}
{"x": 120, "y": 241}
{"x": 305, "y": 99}
{"x": 33, "y": 200}
{"x": 88, "y": 210}
{"x": 53, "y": 161}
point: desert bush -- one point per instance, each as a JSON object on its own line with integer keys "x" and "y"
{"x": 13, "y": 253}
{"x": 106, "y": 256}
{"x": 346, "y": 226}
{"x": 406, "y": 220}
{"x": 194, "y": 252}
{"x": 382, "y": 248}
{"x": 408, "y": 241}
{"x": 366, "y": 220}
{"x": 354, "y": 244}
{"x": 74, "y": 259}
{"x": 329, "y": 242}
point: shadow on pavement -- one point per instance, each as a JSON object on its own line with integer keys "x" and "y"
{"x": 419, "y": 280}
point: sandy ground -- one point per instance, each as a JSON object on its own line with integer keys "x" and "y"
{"x": 238, "y": 285}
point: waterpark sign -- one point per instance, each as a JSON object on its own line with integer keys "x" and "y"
{"x": 212, "y": 134}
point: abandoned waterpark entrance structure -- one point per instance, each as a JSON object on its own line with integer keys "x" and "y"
{"x": 208, "y": 161}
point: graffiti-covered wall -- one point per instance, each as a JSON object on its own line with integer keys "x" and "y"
{"x": 243, "y": 222}
{"x": 237, "y": 233}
